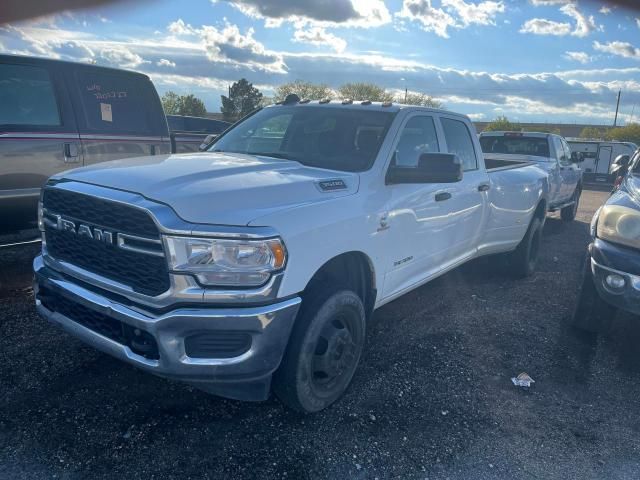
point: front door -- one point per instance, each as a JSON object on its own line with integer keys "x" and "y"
{"x": 431, "y": 226}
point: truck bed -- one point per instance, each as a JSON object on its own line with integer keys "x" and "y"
{"x": 495, "y": 164}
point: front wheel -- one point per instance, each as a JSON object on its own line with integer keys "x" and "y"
{"x": 592, "y": 313}
{"x": 568, "y": 214}
{"x": 323, "y": 352}
{"x": 524, "y": 259}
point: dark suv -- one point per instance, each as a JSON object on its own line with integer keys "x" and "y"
{"x": 57, "y": 115}
{"x": 612, "y": 268}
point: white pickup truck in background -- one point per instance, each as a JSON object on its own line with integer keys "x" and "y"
{"x": 551, "y": 153}
{"x": 258, "y": 263}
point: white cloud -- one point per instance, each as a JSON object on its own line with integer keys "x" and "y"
{"x": 605, "y": 10}
{"x": 453, "y": 14}
{"x": 581, "y": 57}
{"x": 482, "y": 13}
{"x": 542, "y": 26}
{"x": 538, "y": 3}
{"x": 583, "y": 26}
{"x": 320, "y": 37}
{"x": 621, "y": 49}
{"x": 121, "y": 56}
{"x": 432, "y": 19}
{"x": 163, "y": 62}
{"x": 476, "y": 116}
{"x": 326, "y": 13}
{"x": 638, "y": 22}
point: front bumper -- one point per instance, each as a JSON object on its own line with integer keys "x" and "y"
{"x": 246, "y": 376}
{"x": 609, "y": 259}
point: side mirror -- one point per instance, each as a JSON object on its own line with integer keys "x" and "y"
{"x": 622, "y": 160}
{"x": 206, "y": 142}
{"x": 431, "y": 168}
{"x": 577, "y": 157}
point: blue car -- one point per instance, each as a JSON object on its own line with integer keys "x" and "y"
{"x": 612, "y": 268}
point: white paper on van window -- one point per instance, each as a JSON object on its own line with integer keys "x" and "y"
{"x": 105, "y": 110}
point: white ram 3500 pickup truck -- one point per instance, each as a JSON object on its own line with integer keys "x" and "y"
{"x": 551, "y": 153}
{"x": 258, "y": 262}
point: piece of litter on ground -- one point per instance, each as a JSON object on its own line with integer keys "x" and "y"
{"x": 523, "y": 380}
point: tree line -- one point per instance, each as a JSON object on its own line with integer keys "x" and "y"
{"x": 243, "y": 98}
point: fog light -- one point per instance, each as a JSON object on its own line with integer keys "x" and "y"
{"x": 616, "y": 282}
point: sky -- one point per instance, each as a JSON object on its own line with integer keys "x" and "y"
{"x": 531, "y": 60}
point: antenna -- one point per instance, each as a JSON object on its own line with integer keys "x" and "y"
{"x": 615, "y": 120}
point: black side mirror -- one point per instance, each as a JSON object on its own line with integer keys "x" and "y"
{"x": 622, "y": 160}
{"x": 431, "y": 168}
{"x": 577, "y": 157}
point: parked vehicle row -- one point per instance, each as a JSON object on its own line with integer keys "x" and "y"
{"x": 258, "y": 263}
{"x": 611, "y": 280}
{"x": 599, "y": 156}
{"x": 57, "y": 115}
{"x": 193, "y": 134}
{"x": 549, "y": 152}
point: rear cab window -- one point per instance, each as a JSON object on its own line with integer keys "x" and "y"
{"x": 516, "y": 144}
{"x": 27, "y": 96}
{"x": 114, "y": 103}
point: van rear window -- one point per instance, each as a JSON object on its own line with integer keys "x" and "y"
{"x": 535, "y": 146}
{"x": 116, "y": 104}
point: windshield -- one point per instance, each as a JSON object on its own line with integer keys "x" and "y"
{"x": 536, "y": 146}
{"x": 346, "y": 139}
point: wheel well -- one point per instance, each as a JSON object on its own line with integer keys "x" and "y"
{"x": 352, "y": 271}
{"x": 541, "y": 210}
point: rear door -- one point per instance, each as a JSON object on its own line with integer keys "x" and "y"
{"x": 119, "y": 115}
{"x": 38, "y": 136}
{"x": 604, "y": 159}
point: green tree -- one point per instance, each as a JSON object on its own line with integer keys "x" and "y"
{"x": 591, "y": 132}
{"x": 175, "y": 104}
{"x": 243, "y": 99}
{"x": 502, "y": 124}
{"x": 630, "y": 133}
{"x": 312, "y": 91}
{"x": 361, "y": 91}
{"x": 420, "y": 99}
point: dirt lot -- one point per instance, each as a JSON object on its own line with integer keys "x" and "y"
{"x": 432, "y": 399}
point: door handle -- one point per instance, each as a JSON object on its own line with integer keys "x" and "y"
{"x": 442, "y": 196}
{"x": 71, "y": 153}
{"x": 484, "y": 187}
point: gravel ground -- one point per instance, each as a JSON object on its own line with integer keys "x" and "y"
{"x": 432, "y": 398}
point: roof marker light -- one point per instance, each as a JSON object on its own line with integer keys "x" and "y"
{"x": 387, "y": 104}
{"x": 347, "y": 101}
{"x": 365, "y": 102}
{"x": 305, "y": 100}
{"x": 324, "y": 100}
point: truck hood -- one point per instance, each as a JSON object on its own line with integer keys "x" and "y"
{"x": 220, "y": 188}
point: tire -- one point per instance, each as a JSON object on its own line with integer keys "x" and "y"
{"x": 592, "y": 313}
{"x": 523, "y": 260}
{"x": 323, "y": 351}
{"x": 568, "y": 214}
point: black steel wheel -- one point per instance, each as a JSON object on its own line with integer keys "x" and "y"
{"x": 323, "y": 352}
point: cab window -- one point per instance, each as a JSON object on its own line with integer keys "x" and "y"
{"x": 418, "y": 137}
{"x": 460, "y": 143}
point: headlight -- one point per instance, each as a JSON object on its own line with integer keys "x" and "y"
{"x": 619, "y": 225}
{"x": 222, "y": 262}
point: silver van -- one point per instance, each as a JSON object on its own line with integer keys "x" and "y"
{"x": 57, "y": 115}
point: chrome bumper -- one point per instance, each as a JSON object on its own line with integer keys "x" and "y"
{"x": 626, "y": 298}
{"x": 244, "y": 377}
